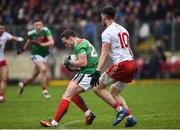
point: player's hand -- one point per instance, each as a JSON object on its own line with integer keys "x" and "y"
{"x": 95, "y": 78}
{"x": 19, "y": 51}
{"x": 20, "y": 39}
{"x": 67, "y": 62}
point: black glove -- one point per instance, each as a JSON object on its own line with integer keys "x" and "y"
{"x": 95, "y": 78}
{"x": 67, "y": 62}
{"x": 19, "y": 51}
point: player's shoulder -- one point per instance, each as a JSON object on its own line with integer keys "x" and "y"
{"x": 109, "y": 29}
{"x": 6, "y": 34}
{"x": 45, "y": 29}
{"x": 31, "y": 32}
{"x": 82, "y": 44}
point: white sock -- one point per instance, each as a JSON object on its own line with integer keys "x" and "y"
{"x": 45, "y": 91}
{"x": 119, "y": 108}
{"x": 21, "y": 84}
{"x": 53, "y": 122}
{"x": 87, "y": 113}
{"x": 1, "y": 97}
{"x": 128, "y": 117}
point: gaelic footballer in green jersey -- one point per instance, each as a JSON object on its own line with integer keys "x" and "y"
{"x": 40, "y": 39}
{"x": 87, "y": 61}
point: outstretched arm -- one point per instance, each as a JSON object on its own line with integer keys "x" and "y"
{"x": 26, "y": 44}
{"x": 24, "y": 47}
{"x": 18, "y": 39}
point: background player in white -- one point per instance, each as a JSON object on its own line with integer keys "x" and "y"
{"x": 4, "y": 37}
{"x": 115, "y": 42}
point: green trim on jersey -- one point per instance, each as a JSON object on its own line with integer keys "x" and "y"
{"x": 85, "y": 47}
{"x": 37, "y": 38}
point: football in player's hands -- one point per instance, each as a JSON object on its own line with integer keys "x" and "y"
{"x": 69, "y": 66}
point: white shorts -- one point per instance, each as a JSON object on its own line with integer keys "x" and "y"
{"x": 39, "y": 58}
{"x": 82, "y": 80}
{"x": 106, "y": 80}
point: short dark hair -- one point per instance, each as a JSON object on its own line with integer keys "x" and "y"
{"x": 2, "y": 24}
{"x": 37, "y": 20}
{"x": 109, "y": 11}
{"x": 68, "y": 33}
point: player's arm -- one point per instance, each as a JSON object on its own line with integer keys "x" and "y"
{"x": 131, "y": 52}
{"x": 18, "y": 39}
{"x": 81, "y": 62}
{"x": 50, "y": 42}
{"x": 104, "y": 54}
{"x": 24, "y": 47}
{"x": 26, "y": 44}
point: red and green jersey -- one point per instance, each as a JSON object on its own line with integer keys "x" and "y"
{"x": 85, "y": 47}
{"x": 37, "y": 38}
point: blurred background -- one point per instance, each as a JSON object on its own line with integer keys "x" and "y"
{"x": 154, "y": 27}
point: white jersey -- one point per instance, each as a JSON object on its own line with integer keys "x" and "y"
{"x": 118, "y": 37}
{"x": 3, "y": 39}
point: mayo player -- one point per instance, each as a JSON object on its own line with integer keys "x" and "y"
{"x": 87, "y": 61}
{"x": 115, "y": 42}
{"x": 4, "y": 37}
{"x": 40, "y": 39}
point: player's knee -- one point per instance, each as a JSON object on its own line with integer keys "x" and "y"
{"x": 113, "y": 94}
{"x": 67, "y": 97}
{"x": 43, "y": 70}
{"x": 97, "y": 90}
{"x": 4, "y": 78}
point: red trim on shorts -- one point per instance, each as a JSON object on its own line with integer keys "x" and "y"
{"x": 3, "y": 63}
{"x": 123, "y": 72}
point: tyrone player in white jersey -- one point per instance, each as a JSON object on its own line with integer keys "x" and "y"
{"x": 4, "y": 37}
{"x": 115, "y": 42}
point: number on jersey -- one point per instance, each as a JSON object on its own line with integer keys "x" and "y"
{"x": 123, "y": 37}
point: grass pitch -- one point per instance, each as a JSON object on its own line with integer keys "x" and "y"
{"x": 154, "y": 106}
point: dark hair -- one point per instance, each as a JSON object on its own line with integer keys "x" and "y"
{"x": 37, "y": 20}
{"x": 109, "y": 11}
{"x": 68, "y": 33}
{"x": 2, "y": 24}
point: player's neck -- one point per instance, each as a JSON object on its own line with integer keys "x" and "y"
{"x": 109, "y": 22}
{"x": 78, "y": 40}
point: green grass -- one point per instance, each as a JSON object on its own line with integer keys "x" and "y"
{"x": 154, "y": 106}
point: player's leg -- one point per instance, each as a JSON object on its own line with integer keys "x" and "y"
{"x": 29, "y": 80}
{"x": 100, "y": 90}
{"x": 72, "y": 90}
{"x": 3, "y": 81}
{"x": 115, "y": 90}
{"x": 79, "y": 84}
{"x": 78, "y": 100}
{"x": 44, "y": 77}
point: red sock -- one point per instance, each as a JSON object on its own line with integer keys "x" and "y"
{"x": 80, "y": 103}
{"x": 2, "y": 94}
{"x": 62, "y": 109}
{"x": 116, "y": 105}
{"x": 128, "y": 112}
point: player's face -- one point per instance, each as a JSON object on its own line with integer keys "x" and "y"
{"x": 103, "y": 18}
{"x": 68, "y": 42}
{"x": 38, "y": 25}
{"x": 2, "y": 29}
